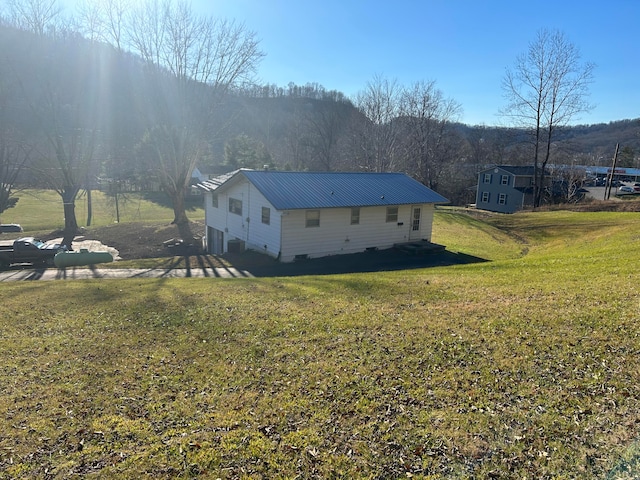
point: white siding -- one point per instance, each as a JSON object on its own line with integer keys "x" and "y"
{"x": 248, "y": 226}
{"x": 262, "y": 237}
{"x": 336, "y": 235}
{"x": 286, "y": 235}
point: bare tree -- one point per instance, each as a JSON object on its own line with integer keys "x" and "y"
{"x": 37, "y": 16}
{"x": 65, "y": 114}
{"x": 427, "y": 118}
{"x": 14, "y": 155}
{"x": 546, "y": 89}
{"x": 376, "y": 139}
{"x": 89, "y": 20}
{"x": 67, "y": 154}
{"x": 103, "y": 21}
{"x": 325, "y": 121}
{"x": 203, "y": 58}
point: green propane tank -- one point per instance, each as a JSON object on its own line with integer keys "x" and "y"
{"x": 81, "y": 257}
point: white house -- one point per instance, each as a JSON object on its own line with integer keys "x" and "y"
{"x": 296, "y": 215}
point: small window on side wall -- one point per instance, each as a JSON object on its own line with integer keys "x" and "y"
{"x": 312, "y": 218}
{"x": 485, "y": 197}
{"x": 355, "y": 216}
{"x": 235, "y": 206}
{"x": 266, "y": 215}
{"x": 214, "y": 200}
{"x": 392, "y": 214}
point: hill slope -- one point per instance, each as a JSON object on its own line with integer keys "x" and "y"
{"x": 526, "y": 366}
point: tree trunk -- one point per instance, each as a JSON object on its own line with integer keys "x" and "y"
{"x": 89, "y": 208}
{"x": 180, "y": 218}
{"x": 179, "y": 208}
{"x": 70, "y": 222}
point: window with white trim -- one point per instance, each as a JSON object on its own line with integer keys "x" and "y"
{"x": 312, "y": 218}
{"x": 487, "y": 178}
{"x": 235, "y": 206}
{"x": 266, "y": 215}
{"x": 392, "y": 214}
{"x": 355, "y": 216}
{"x": 502, "y": 199}
{"x": 504, "y": 179}
{"x": 485, "y": 197}
{"x": 214, "y": 200}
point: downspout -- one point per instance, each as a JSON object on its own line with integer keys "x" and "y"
{"x": 246, "y": 241}
{"x": 208, "y": 200}
{"x": 282, "y": 214}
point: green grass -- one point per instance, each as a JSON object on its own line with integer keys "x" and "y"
{"x": 41, "y": 210}
{"x": 527, "y": 366}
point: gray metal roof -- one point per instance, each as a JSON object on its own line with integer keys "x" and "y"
{"x": 213, "y": 183}
{"x": 305, "y": 190}
{"x": 517, "y": 170}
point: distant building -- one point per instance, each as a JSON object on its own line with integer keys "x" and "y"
{"x": 297, "y": 215}
{"x": 505, "y": 188}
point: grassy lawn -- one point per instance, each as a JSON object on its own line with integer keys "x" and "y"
{"x": 527, "y": 366}
{"x": 41, "y": 210}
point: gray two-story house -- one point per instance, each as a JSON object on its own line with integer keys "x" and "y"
{"x": 505, "y": 188}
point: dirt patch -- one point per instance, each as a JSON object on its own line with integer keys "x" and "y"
{"x": 134, "y": 240}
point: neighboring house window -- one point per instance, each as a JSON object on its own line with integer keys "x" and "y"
{"x": 214, "y": 200}
{"x": 487, "y": 178}
{"x": 504, "y": 180}
{"x": 355, "y": 216}
{"x": 485, "y": 197}
{"x": 392, "y": 214}
{"x": 266, "y": 215}
{"x": 235, "y": 206}
{"x": 502, "y": 199}
{"x": 312, "y": 218}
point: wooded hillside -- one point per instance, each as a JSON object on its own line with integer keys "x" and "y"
{"x": 92, "y": 103}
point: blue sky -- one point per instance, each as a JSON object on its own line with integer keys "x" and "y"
{"x": 463, "y": 45}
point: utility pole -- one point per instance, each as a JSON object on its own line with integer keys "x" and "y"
{"x": 607, "y": 186}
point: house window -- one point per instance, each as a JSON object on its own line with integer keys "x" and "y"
{"x": 312, "y": 218}
{"x": 235, "y": 206}
{"x": 485, "y": 197}
{"x": 502, "y": 199}
{"x": 487, "y": 178}
{"x": 392, "y": 214}
{"x": 504, "y": 179}
{"x": 214, "y": 200}
{"x": 355, "y": 216}
{"x": 266, "y": 215}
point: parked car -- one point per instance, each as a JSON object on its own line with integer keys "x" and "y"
{"x": 625, "y": 190}
{"x": 10, "y": 227}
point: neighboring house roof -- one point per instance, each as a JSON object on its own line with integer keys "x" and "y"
{"x": 304, "y": 190}
{"x": 517, "y": 170}
{"x": 213, "y": 183}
